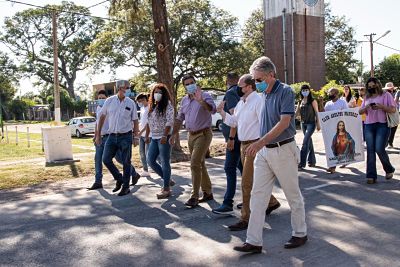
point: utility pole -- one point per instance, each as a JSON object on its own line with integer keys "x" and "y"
{"x": 371, "y": 46}
{"x": 57, "y": 110}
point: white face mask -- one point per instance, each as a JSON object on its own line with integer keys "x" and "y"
{"x": 140, "y": 105}
{"x": 157, "y": 97}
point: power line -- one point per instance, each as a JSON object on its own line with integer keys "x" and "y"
{"x": 388, "y": 47}
{"x": 98, "y": 4}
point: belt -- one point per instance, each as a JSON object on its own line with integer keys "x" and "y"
{"x": 199, "y": 131}
{"x": 120, "y": 134}
{"x": 249, "y": 141}
{"x": 281, "y": 143}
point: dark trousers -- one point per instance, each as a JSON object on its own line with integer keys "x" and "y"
{"x": 392, "y": 134}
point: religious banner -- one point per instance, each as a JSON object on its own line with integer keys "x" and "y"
{"x": 342, "y": 133}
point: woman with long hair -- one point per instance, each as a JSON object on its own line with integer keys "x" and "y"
{"x": 375, "y": 105}
{"x": 160, "y": 123}
{"x": 343, "y": 145}
{"x": 308, "y": 108}
{"x": 348, "y": 96}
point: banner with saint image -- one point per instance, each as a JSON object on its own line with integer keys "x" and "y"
{"x": 342, "y": 133}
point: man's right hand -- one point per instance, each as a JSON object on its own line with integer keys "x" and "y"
{"x": 98, "y": 140}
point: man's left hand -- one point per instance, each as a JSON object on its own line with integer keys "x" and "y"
{"x": 230, "y": 145}
{"x": 163, "y": 140}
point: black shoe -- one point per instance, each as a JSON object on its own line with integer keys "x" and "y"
{"x": 206, "y": 197}
{"x": 246, "y": 247}
{"x": 124, "y": 191}
{"x": 135, "y": 179}
{"x": 240, "y": 226}
{"x": 272, "y": 208}
{"x": 239, "y": 206}
{"x": 295, "y": 242}
{"x": 192, "y": 202}
{"x": 117, "y": 187}
{"x": 311, "y": 165}
{"x": 95, "y": 186}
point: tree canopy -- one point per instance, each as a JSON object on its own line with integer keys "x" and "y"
{"x": 388, "y": 70}
{"x": 28, "y": 34}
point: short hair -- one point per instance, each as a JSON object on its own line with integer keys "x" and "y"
{"x": 187, "y": 77}
{"x": 248, "y": 80}
{"x": 232, "y": 77}
{"x": 102, "y": 92}
{"x": 263, "y": 64}
{"x": 142, "y": 96}
{"x": 333, "y": 89}
{"x": 122, "y": 83}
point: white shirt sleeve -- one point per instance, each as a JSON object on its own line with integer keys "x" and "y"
{"x": 230, "y": 120}
{"x": 105, "y": 107}
{"x": 134, "y": 114}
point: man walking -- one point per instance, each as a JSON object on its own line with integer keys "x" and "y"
{"x": 196, "y": 109}
{"x": 121, "y": 113}
{"x": 232, "y": 152}
{"x": 143, "y": 103}
{"x": 246, "y": 121}
{"x": 276, "y": 157}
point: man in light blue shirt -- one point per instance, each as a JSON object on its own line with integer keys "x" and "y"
{"x": 121, "y": 113}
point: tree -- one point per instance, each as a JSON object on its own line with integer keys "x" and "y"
{"x": 340, "y": 47}
{"x": 253, "y": 37}
{"x": 202, "y": 41}
{"x": 388, "y": 70}
{"x": 28, "y": 34}
{"x": 8, "y": 76}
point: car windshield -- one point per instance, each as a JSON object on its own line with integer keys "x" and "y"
{"x": 88, "y": 120}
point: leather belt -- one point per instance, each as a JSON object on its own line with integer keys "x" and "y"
{"x": 249, "y": 141}
{"x": 281, "y": 143}
{"x": 199, "y": 131}
{"x": 120, "y": 134}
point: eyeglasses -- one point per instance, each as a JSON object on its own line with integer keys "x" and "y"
{"x": 258, "y": 80}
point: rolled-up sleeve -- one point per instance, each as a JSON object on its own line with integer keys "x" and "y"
{"x": 134, "y": 115}
{"x": 170, "y": 116}
{"x": 105, "y": 108}
{"x": 208, "y": 99}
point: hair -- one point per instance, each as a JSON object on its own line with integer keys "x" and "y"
{"x": 337, "y": 127}
{"x": 187, "y": 77}
{"x": 102, "y": 92}
{"x": 378, "y": 86}
{"x": 121, "y": 83}
{"x": 263, "y": 64}
{"x": 310, "y": 98}
{"x": 232, "y": 78}
{"x": 142, "y": 96}
{"x": 248, "y": 80}
{"x": 161, "y": 106}
{"x": 349, "y": 96}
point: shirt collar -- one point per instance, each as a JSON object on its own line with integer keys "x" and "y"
{"x": 275, "y": 87}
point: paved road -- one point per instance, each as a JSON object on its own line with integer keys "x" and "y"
{"x": 61, "y": 224}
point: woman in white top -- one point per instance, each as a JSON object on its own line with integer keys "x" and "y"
{"x": 348, "y": 97}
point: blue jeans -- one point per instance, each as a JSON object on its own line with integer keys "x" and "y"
{"x": 98, "y": 160}
{"x": 376, "y": 136}
{"x": 123, "y": 145}
{"x": 156, "y": 149}
{"x": 143, "y": 148}
{"x": 232, "y": 161}
{"x": 307, "y": 149}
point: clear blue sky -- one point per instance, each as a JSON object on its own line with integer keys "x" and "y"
{"x": 366, "y": 16}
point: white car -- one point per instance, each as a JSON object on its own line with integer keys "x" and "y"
{"x": 217, "y": 96}
{"x": 80, "y": 126}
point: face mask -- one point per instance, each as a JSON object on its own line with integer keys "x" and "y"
{"x": 127, "y": 92}
{"x": 371, "y": 90}
{"x": 191, "y": 88}
{"x": 100, "y": 102}
{"x": 140, "y": 105}
{"x": 331, "y": 97}
{"x": 305, "y": 93}
{"x": 262, "y": 86}
{"x": 157, "y": 97}
{"x": 240, "y": 91}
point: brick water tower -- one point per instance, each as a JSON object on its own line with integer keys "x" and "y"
{"x": 294, "y": 40}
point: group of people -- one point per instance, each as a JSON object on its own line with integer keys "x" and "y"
{"x": 259, "y": 130}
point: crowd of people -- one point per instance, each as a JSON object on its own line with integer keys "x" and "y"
{"x": 259, "y": 114}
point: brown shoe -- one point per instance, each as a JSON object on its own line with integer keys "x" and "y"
{"x": 172, "y": 182}
{"x": 192, "y": 202}
{"x": 240, "y": 226}
{"x": 249, "y": 248}
{"x": 206, "y": 197}
{"x": 295, "y": 242}
{"x": 164, "y": 194}
{"x": 272, "y": 208}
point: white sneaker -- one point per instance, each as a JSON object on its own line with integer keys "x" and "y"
{"x": 145, "y": 174}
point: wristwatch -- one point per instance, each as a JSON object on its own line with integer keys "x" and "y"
{"x": 231, "y": 138}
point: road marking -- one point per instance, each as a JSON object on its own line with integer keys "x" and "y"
{"x": 319, "y": 186}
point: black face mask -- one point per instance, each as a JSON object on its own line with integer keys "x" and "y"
{"x": 331, "y": 97}
{"x": 371, "y": 91}
{"x": 239, "y": 91}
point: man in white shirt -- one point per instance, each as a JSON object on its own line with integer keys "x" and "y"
{"x": 143, "y": 103}
{"x": 122, "y": 117}
{"x": 335, "y": 103}
{"x": 246, "y": 121}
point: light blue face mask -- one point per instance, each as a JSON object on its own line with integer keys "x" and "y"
{"x": 100, "y": 102}
{"x": 128, "y": 93}
{"x": 262, "y": 86}
{"x": 305, "y": 93}
{"x": 191, "y": 88}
